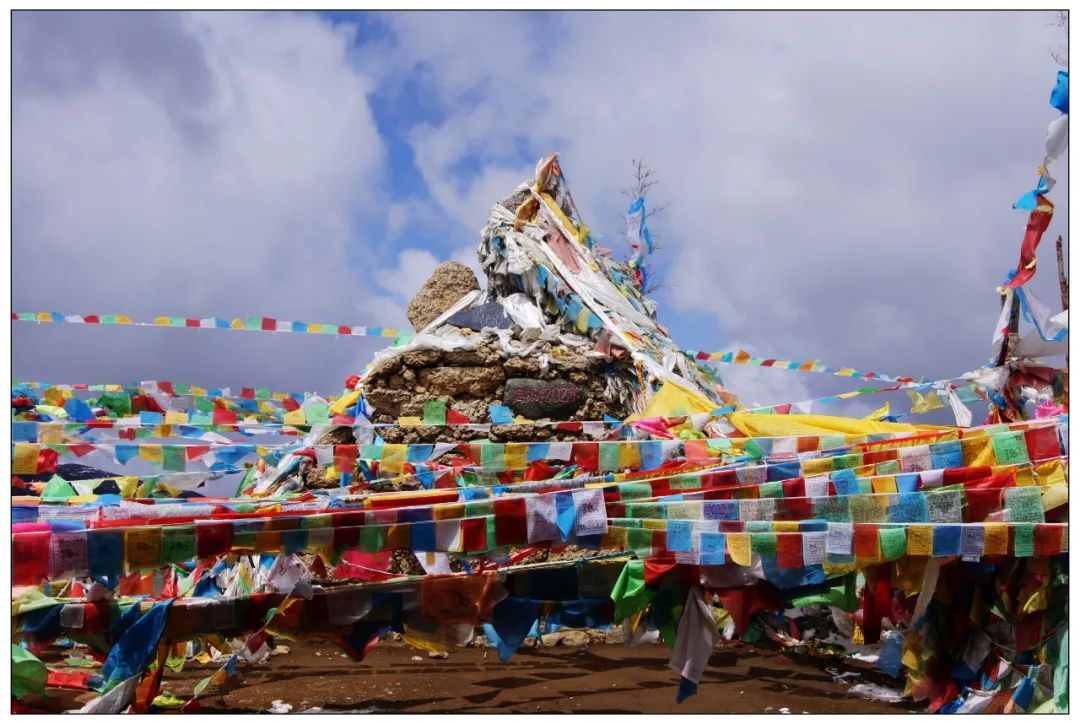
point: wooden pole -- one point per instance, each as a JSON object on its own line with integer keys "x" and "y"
{"x": 1062, "y": 281}
{"x": 1014, "y": 326}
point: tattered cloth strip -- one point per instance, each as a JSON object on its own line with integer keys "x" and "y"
{"x": 1035, "y": 201}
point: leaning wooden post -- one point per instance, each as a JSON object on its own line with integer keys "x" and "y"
{"x": 1013, "y": 328}
{"x": 1062, "y": 281}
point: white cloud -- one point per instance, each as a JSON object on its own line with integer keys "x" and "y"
{"x": 413, "y": 267}
{"x": 189, "y": 165}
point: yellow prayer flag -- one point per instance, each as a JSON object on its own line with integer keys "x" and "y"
{"x": 516, "y": 455}
{"x": 1050, "y": 473}
{"x": 393, "y": 459}
{"x": 174, "y": 417}
{"x": 879, "y": 413}
{"x": 920, "y": 540}
{"x": 127, "y": 486}
{"x": 817, "y": 466}
{"x": 446, "y": 511}
{"x": 883, "y": 484}
{"x": 54, "y": 397}
{"x": 738, "y": 545}
{"x": 912, "y": 651}
{"x": 786, "y": 526}
{"x": 924, "y": 403}
{"x": 1055, "y": 496}
{"x": 996, "y": 539}
{"x": 296, "y": 417}
{"x": 25, "y": 459}
{"x": 142, "y": 547}
{"x": 344, "y": 402}
{"x": 629, "y": 455}
{"x": 51, "y": 433}
{"x": 161, "y": 321}
{"x": 409, "y": 421}
{"x": 614, "y": 539}
{"x": 654, "y": 523}
{"x": 977, "y": 452}
{"x": 150, "y": 452}
{"x": 1024, "y": 476}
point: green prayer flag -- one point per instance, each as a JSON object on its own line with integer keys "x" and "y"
{"x": 1010, "y": 448}
{"x": 893, "y": 543}
{"x": 763, "y": 544}
{"x": 117, "y": 403}
{"x": 831, "y": 442}
{"x": 629, "y": 593}
{"x": 316, "y": 412}
{"x": 889, "y": 467}
{"x": 639, "y": 540}
{"x": 608, "y": 456}
{"x": 754, "y": 450}
{"x": 174, "y": 458}
{"x": 28, "y": 673}
{"x": 842, "y": 462}
{"x": 372, "y": 539}
{"x": 57, "y": 487}
{"x": 434, "y": 412}
{"x": 493, "y": 457}
{"x": 633, "y": 491}
{"x": 1024, "y": 505}
{"x": 771, "y": 490}
{"x": 177, "y": 543}
{"x": 1024, "y": 540}
{"x": 479, "y": 508}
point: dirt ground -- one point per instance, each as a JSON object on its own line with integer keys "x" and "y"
{"x": 602, "y": 679}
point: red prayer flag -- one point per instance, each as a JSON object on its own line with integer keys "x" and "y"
{"x": 1042, "y": 443}
{"x": 30, "y": 558}
{"x": 1047, "y": 540}
{"x": 224, "y": 417}
{"x": 213, "y": 539}
{"x": 1037, "y": 223}
{"x": 586, "y": 455}
{"x": 510, "y": 526}
{"x": 453, "y": 417}
{"x": 474, "y": 533}
{"x": 789, "y": 550}
{"x": 866, "y": 540}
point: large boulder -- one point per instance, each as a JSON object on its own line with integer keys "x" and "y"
{"x": 447, "y": 284}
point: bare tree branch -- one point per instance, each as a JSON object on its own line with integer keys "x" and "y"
{"x": 1061, "y": 55}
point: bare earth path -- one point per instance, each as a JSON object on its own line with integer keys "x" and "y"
{"x": 602, "y": 679}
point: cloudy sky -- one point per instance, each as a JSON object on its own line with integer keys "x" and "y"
{"x": 840, "y": 183}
